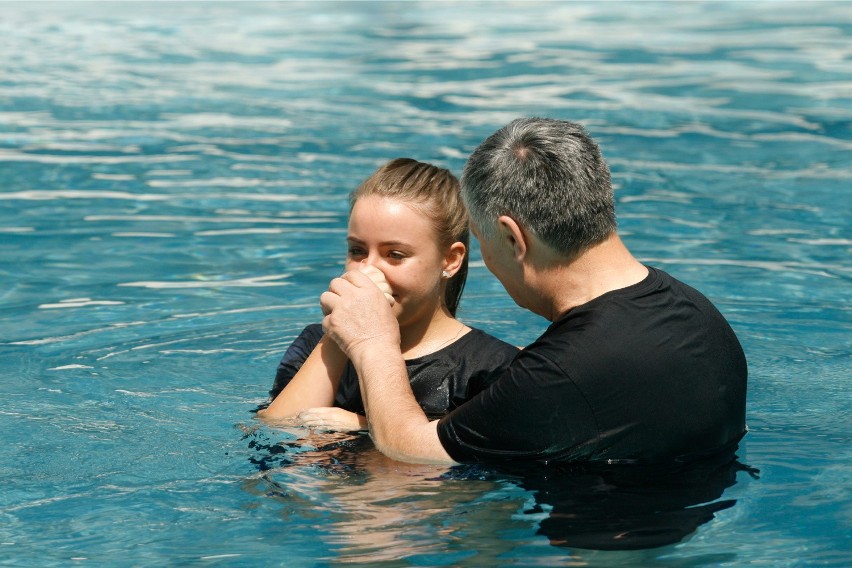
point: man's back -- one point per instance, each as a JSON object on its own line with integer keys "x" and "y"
{"x": 648, "y": 373}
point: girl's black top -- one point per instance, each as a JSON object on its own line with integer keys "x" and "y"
{"x": 441, "y": 381}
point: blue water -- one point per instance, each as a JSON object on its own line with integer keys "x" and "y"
{"x": 173, "y": 182}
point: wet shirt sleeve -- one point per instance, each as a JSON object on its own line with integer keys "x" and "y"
{"x": 481, "y": 363}
{"x": 534, "y": 411}
{"x": 295, "y": 356}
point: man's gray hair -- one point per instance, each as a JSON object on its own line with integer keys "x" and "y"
{"x": 549, "y": 176}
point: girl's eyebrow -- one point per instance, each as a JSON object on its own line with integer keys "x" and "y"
{"x": 358, "y": 241}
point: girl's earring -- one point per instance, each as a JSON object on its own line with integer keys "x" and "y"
{"x": 445, "y": 274}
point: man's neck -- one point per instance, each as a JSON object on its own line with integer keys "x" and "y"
{"x": 603, "y": 268}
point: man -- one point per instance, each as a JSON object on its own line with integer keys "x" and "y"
{"x": 636, "y": 366}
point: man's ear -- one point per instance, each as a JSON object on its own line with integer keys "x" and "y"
{"x": 514, "y": 236}
{"x": 454, "y": 257}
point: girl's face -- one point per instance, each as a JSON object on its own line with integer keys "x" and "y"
{"x": 401, "y": 242}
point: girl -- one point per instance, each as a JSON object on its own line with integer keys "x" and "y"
{"x": 408, "y": 229}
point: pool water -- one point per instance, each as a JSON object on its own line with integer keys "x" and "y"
{"x": 173, "y": 182}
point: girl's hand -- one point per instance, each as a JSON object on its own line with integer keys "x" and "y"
{"x": 333, "y": 418}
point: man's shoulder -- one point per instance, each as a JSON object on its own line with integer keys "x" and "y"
{"x": 612, "y": 330}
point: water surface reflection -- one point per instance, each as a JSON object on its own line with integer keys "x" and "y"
{"x": 377, "y": 509}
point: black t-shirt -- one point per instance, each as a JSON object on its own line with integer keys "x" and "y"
{"x": 649, "y": 373}
{"x": 441, "y": 381}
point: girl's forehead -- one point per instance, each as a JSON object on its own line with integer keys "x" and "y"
{"x": 374, "y": 216}
{"x": 381, "y": 206}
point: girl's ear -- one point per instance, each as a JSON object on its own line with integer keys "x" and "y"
{"x": 454, "y": 257}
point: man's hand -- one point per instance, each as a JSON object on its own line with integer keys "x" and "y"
{"x": 358, "y": 313}
{"x": 378, "y": 278}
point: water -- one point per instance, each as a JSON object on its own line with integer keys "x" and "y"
{"x": 173, "y": 183}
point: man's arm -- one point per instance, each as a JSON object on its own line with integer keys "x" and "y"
{"x": 398, "y": 425}
{"x": 360, "y": 320}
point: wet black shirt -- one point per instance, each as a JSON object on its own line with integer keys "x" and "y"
{"x": 441, "y": 381}
{"x": 648, "y": 373}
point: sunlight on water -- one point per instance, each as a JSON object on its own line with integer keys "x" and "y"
{"x": 173, "y": 200}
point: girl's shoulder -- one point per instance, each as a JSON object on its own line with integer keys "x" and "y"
{"x": 309, "y": 337}
{"x": 479, "y": 344}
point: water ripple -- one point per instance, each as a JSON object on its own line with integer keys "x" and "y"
{"x": 173, "y": 199}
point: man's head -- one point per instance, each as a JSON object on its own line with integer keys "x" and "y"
{"x": 549, "y": 176}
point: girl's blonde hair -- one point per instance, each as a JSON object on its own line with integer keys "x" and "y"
{"x": 436, "y": 193}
